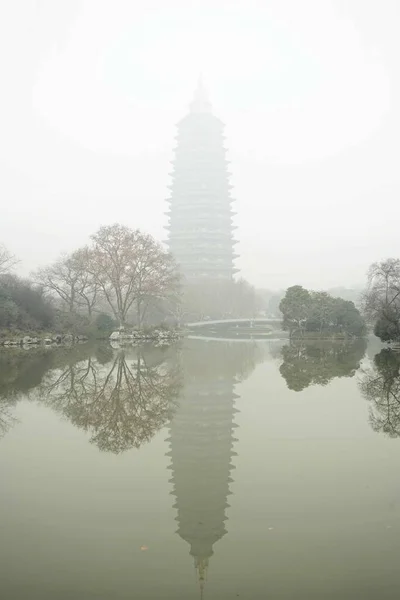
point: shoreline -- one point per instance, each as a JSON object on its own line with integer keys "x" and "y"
{"x": 54, "y": 340}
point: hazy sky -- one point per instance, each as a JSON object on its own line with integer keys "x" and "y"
{"x": 309, "y": 90}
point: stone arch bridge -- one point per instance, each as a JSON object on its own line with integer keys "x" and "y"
{"x": 259, "y": 325}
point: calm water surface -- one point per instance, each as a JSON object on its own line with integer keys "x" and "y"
{"x": 245, "y": 470}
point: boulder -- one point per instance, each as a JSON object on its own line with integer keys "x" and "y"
{"x": 68, "y": 338}
{"x": 48, "y": 341}
{"x": 115, "y": 336}
{"x": 27, "y": 340}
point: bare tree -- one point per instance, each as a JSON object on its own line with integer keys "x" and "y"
{"x": 131, "y": 269}
{"x": 7, "y": 260}
{"x": 60, "y": 279}
{"x": 381, "y": 301}
{"x": 383, "y": 287}
{"x": 87, "y": 287}
{"x": 69, "y": 278}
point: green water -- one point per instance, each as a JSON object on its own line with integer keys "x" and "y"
{"x": 238, "y": 469}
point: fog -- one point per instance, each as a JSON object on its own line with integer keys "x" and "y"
{"x": 91, "y": 92}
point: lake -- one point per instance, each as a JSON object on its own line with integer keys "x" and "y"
{"x": 215, "y": 469}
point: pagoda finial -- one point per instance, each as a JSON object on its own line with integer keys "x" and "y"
{"x": 200, "y": 103}
{"x": 201, "y": 565}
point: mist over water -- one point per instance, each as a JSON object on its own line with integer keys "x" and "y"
{"x": 233, "y": 467}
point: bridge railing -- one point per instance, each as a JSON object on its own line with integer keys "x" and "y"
{"x": 242, "y": 321}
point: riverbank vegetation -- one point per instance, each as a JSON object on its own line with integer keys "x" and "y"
{"x": 114, "y": 281}
{"x": 23, "y": 306}
{"x": 319, "y": 315}
{"x": 122, "y": 278}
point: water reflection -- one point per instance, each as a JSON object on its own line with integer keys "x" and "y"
{"x": 314, "y": 363}
{"x": 20, "y": 372}
{"x": 120, "y": 398}
{"x": 7, "y": 419}
{"x": 325, "y": 492}
{"x": 380, "y": 385}
{"x": 121, "y": 403}
{"x": 201, "y": 441}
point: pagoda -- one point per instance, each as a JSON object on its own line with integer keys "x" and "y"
{"x": 200, "y": 227}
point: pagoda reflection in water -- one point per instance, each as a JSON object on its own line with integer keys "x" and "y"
{"x": 202, "y": 440}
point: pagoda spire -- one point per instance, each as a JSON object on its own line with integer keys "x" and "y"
{"x": 200, "y": 102}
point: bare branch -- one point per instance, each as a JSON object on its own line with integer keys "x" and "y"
{"x": 130, "y": 267}
{"x": 7, "y": 260}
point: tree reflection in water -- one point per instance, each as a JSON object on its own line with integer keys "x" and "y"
{"x": 121, "y": 398}
{"x": 123, "y": 403}
{"x": 317, "y": 363}
{"x": 7, "y": 418}
{"x": 20, "y": 372}
{"x": 380, "y": 385}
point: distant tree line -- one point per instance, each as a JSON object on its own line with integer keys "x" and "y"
{"x": 23, "y": 306}
{"x": 319, "y": 314}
